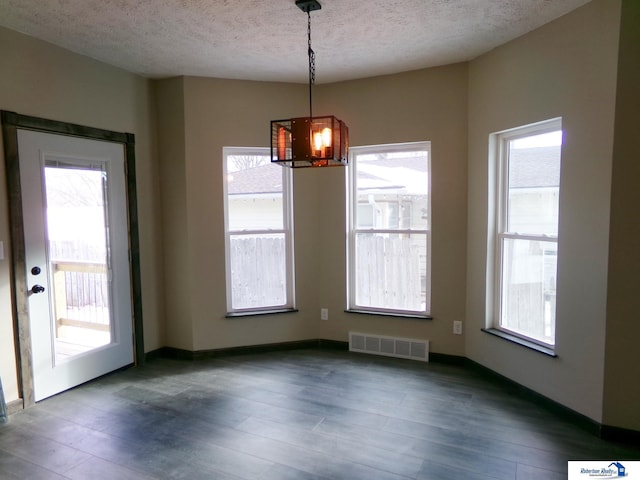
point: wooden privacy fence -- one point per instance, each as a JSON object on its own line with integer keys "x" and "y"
{"x": 258, "y": 273}
{"x": 391, "y": 271}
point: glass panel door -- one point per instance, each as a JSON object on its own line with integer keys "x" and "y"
{"x": 74, "y": 214}
{"x": 77, "y": 244}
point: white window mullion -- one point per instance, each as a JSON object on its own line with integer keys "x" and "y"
{"x": 521, "y": 236}
{"x": 257, "y": 232}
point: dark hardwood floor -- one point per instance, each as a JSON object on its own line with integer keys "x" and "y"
{"x": 302, "y": 414}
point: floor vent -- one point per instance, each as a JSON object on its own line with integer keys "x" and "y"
{"x": 389, "y": 346}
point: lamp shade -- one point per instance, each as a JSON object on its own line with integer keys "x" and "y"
{"x": 309, "y": 142}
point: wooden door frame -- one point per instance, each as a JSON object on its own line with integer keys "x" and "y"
{"x": 11, "y": 122}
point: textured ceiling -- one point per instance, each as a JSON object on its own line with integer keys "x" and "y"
{"x": 267, "y": 39}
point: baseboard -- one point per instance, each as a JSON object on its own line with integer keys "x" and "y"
{"x": 576, "y": 418}
{"x": 447, "y": 359}
{"x": 606, "y": 432}
{"x": 619, "y": 434}
{"x": 333, "y": 345}
{"x": 178, "y": 353}
{"x": 15, "y": 406}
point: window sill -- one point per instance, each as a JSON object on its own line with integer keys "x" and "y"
{"x": 252, "y": 313}
{"x": 390, "y": 314}
{"x": 521, "y": 341}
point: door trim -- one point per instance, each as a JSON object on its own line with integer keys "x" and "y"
{"x": 11, "y": 122}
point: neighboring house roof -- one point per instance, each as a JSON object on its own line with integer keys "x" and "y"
{"x": 393, "y": 175}
{"x": 530, "y": 167}
{"x": 534, "y": 167}
{"x": 263, "y": 179}
{"x": 383, "y": 174}
{"x": 369, "y": 181}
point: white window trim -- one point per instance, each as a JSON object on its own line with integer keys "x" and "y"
{"x": 498, "y": 153}
{"x": 287, "y": 230}
{"x": 352, "y": 230}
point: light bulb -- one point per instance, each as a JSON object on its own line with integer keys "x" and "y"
{"x": 317, "y": 141}
{"x": 282, "y": 143}
{"x": 326, "y": 137}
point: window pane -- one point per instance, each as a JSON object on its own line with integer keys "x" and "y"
{"x": 258, "y": 231}
{"x": 77, "y": 227}
{"x": 391, "y": 271}
{"x": 258, "y": 270}
{"x": 534, "y": 183}
{"x": 254, "y": 189}
{"x": 529, "y": 288}
{"x": 392, "y": 190}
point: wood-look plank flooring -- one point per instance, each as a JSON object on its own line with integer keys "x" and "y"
{"x": 295, "y": 415}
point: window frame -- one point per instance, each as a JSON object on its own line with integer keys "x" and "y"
{"x": 500, "y": 158}
{"x": 353, "y": 230}
{"x": 286, "y": 230}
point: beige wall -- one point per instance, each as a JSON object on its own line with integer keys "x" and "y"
{"x": 219, "y": 113}
{"x": 622, "y": 361}
{"x": 564, "y": 69}
{"x": 414, "y": 106}
{"x": 425, "y": 105}
{"x": 172, "y": 204}
{"x": 41, "y": 80}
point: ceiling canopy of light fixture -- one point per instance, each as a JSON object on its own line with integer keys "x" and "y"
{"x": 309, "y": 141}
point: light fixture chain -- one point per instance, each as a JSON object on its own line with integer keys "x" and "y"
{"x": 312, "y": 63}
{"x": 312, "y": 54}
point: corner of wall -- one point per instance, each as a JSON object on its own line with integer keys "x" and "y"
{"x": 622, "y": 356}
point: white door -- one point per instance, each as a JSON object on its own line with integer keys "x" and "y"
{"x": 77, "y": 258}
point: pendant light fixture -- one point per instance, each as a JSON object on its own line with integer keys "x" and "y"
{"x": 309, "y": 141}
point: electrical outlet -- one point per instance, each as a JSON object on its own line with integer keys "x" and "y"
{"x": 324, "y": 314}
{"x": 457, "y": 327}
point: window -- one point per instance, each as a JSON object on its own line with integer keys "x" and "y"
{"x": 528, "y": 170}
{"x": 389, "y": 236}
{"x": 258, "y": 228}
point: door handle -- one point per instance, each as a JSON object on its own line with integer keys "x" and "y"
{"x": 37, "y": 289}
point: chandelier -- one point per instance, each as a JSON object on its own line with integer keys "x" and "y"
{"x": 309, "y": 141}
